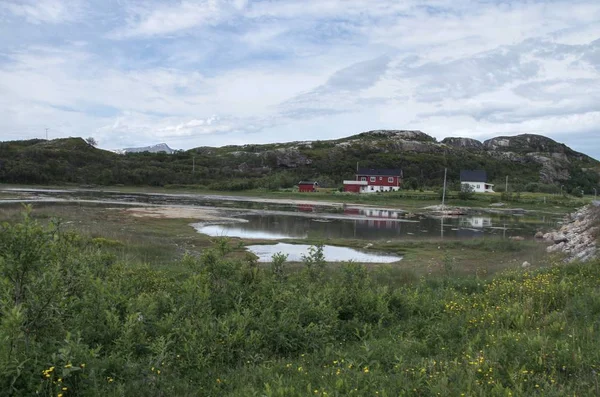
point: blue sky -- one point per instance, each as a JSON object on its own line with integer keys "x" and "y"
{"x": 216, "y": 72}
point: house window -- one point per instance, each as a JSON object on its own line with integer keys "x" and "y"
{"x": 380, "y": 178}
{"x": 373, "y": 179}
{"x": 390, "y": 180}
{"x": 371, "y": 187}
{"x": 478, "y": 186}
{"x": 363, "y": 178}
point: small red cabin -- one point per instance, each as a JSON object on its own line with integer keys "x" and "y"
{"x": 308, "y": 186}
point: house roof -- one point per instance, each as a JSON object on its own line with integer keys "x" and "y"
{"x": 308, "y": 183}
{"x": 379, "y": 171}
{"x": 473, "y": 176}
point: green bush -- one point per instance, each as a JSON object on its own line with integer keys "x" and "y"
{"x": 75, "y": 322}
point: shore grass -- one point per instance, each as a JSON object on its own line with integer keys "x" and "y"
{"x": 83, "y": 323}
{"x": 160, "y": 242}
{"x": 404, "y": 199}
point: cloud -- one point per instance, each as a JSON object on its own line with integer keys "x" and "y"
{"x": 166, "y": 18}
{"x": 43, "y": 11}
{"x": 198, "y": 72}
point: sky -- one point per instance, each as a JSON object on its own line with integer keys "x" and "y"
{"x": 219, "y": 72}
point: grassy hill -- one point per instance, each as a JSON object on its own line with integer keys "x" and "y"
{"x": 533, "y": 162}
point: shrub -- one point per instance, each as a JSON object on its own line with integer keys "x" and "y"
{"x": 466, "y": 192}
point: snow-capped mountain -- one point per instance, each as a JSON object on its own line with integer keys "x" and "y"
{"x": 161, "y": 147}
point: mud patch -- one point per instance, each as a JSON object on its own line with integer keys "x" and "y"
{"x": 198, "y": 214}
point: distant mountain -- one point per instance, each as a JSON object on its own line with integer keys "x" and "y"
{"x": 161, "y": 147}
{"x": 532, "y": 162}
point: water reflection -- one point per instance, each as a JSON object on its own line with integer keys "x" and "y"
{"x": 296, "y": 252}
{"x": 365, "y": 225}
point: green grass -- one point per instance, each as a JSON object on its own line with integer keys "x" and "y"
{"x": 407, "y": 200}
{"x": 77, "y": 321}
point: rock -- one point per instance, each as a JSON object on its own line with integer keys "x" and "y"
{"x": 291, "y": 158}
{"x": 497, "y": 205}
{"x": 517, "y": 238}
{"x": 525, "y": 265}
{"x": 539, "y": 235}
{"x": 466, "y": 143}
{"x": 577, "y": 236}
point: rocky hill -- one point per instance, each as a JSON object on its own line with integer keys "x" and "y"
{"x": 532, "y": 162}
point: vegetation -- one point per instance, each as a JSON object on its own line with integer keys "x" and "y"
{"x": 75, "y": 321}
{"x": 274, "y": 166}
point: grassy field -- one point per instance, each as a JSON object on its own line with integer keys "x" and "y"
{"x": 160, "y": 243}
{"x": 406, "y": 199}
{"x": 77, "y": 320}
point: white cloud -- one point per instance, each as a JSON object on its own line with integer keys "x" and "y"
{"x": 194, "y": 72}
{"x": 43, "y": 11}
{"x": 164, "y": 18}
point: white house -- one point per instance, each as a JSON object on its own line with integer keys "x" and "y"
{"x": 477, "y": 179}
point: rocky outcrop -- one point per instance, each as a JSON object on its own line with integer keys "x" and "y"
{"x": 554, "y": 168}
{"x": 412, "y": 135}
{"x": 291, "y": 158}
{"x": 463, "y": 143}
{"x": 526, "y": 143}
{"x": 578, "y": 235}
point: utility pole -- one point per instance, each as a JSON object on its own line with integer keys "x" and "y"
{"x": 47, "y": 133}
{"x": 595, "y": 194}
{"x": 444, "y": 192}
{"x": 193, "y": 164}
{"x": 506, "y": 187}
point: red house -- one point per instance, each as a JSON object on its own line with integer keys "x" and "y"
{"x": 369, "y": 180}
{"x": 304, "y": 186}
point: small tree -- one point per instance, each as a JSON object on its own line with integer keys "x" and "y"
{"x": 466, "y": 192}
{"x": 91, "y": 141}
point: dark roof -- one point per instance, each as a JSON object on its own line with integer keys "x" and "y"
{"x": 379, "y": 171}
{"x": 473, "y": 176}
{"x": 308, "y": 183}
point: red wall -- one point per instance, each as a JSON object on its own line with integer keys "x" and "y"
{"x": 379, "y": 182}
{"x": 306, "y": 188}
{"x": 352, "y": 188}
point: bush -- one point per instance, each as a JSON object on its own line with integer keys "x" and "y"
{"x": 75, "y": 322}
{"x": 466, "y": 192}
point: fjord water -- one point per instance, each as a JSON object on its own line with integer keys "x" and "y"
{"x": 278, "y": 226}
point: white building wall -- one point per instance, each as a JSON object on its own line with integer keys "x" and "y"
{"x": 478, "y": 187}
{"x": 375, "y": 189}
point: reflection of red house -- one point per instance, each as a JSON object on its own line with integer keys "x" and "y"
{"x": 305, "y": 207}
{"x": 374, "y": 180}
{"x": 386, "y": 217}
{"x": 308, "y": 186}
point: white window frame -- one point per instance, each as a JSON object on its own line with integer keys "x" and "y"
{"x": 363, "y": 178}
{"x": 373, "y": 179}
{"x": 391, "y": 179}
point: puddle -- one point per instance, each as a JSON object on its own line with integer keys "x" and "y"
{"x": 331, "y": 253}
{"x": 238, "y": 230}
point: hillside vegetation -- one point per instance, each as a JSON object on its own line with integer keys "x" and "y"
{"x": 74, "y": 321}
{"x": 533, "y": 162}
